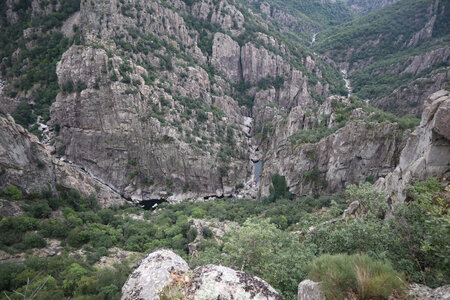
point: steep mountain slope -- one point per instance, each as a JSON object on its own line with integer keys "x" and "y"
{"x": 28, "y": 164}
{"x": 396, "y": 56}
{"x": 302, "y": 17}
{"x": 363, "y": 7}
{"x": 176, "y": 118}
{"x": 191, "y": 100}
{"x": 302, "y": 20}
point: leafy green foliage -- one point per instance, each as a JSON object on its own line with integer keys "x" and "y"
{"x": 313, "y": 14}
{"x": 36, "y": 64}
{"x": 261, "y": 249}
{"x": 24, "y": 115}
{"x": 12, "y": 192}
{"x": 279, "y": 188}
{"x": 413, "y": 239}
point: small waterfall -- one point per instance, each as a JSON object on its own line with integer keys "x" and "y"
{"x": 313, "y": 40}
{"x": 347, "y": 82}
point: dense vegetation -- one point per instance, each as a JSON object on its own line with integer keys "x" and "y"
{"x": 379, "y": 45}
{"x": 29, "y": 61}
{"x": 309, "y": 15}
{"x": 414, "y": 240}
{"x": 385, "y": 25}
{"x": 343, "y": 115}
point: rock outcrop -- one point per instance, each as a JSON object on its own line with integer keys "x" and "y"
{"x": 310, "y": 290}
{"x": 29, "y": 165}
{"x": 419, "y": 291}
{"x": 357, "y": 152}
{"x": 10, "y": 209}
{"x": 427, "y": 151}
{"x": 159, "y": 125}
{"x": 219, "y": 282}
{"x": 154, "y": 272}
{"x": 163, "y": 269}
{"x": 133, "y": 143}
{"x": 411, "y": 99}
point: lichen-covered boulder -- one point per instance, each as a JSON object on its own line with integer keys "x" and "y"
{"x": 163, "y": 274}
{"x": 219, "y": 282}
{"x": 422, "y": 292}
{"x": 154, "y": 273}
{"x": 310, "y": 290}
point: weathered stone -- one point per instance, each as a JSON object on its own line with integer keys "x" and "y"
{"x": 10, "y": 209}
{"x": 419, "y": 291}
{"x": 153, "y": 274}
{"x": 226, "y": 57}
{"x": 162, "y": 267}
{"x": 427, "y": 152}
{"x": 310, "y": 290}
{"x": 29, "y": 165}
{"x": 348, "y": 156}
{"x": 218, "y": 282}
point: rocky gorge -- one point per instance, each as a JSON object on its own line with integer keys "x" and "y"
{"x": 258, "y": 136}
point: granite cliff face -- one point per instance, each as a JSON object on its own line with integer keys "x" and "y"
{"x": 141, "y": 115}
{"x": 352, "y": 153}
{"x": 29, "y": 165}
{"x": 426, "y": 153}
{"x": 191, "y": 100}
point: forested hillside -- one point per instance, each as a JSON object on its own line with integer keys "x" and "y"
{"x": 398, "y": 52}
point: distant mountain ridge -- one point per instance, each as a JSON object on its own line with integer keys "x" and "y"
{"x": 396, "y": 56}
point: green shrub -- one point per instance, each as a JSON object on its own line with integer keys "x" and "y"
{"x": 8, "y": 273}
{"x": 55, "y": 229}
{"x": 24, "y": 115}
{"x": 12, "y": 192}
{"x": 192, "y": 234}
{"x": 39, "y": 209}
{"x": 77, "y": 237}
{"x": 207, "y": 232}
{"x": 343, "y": 274}
{"x": 261, "y": 249}
{"x": 21, "y": 224}
{"x": 33, "y": 240}
{"x": 279, "y": 188}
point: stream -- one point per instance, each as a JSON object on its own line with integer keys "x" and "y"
{"x": 313, "y": 40}
{"x": 347, "y": 82}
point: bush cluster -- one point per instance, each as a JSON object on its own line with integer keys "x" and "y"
{"x": 414, "y": 240}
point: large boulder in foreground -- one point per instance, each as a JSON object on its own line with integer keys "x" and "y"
{"x": 164, "y": 272}
{"x": 219, "y": 282}
{"x": 154, "y": 272}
